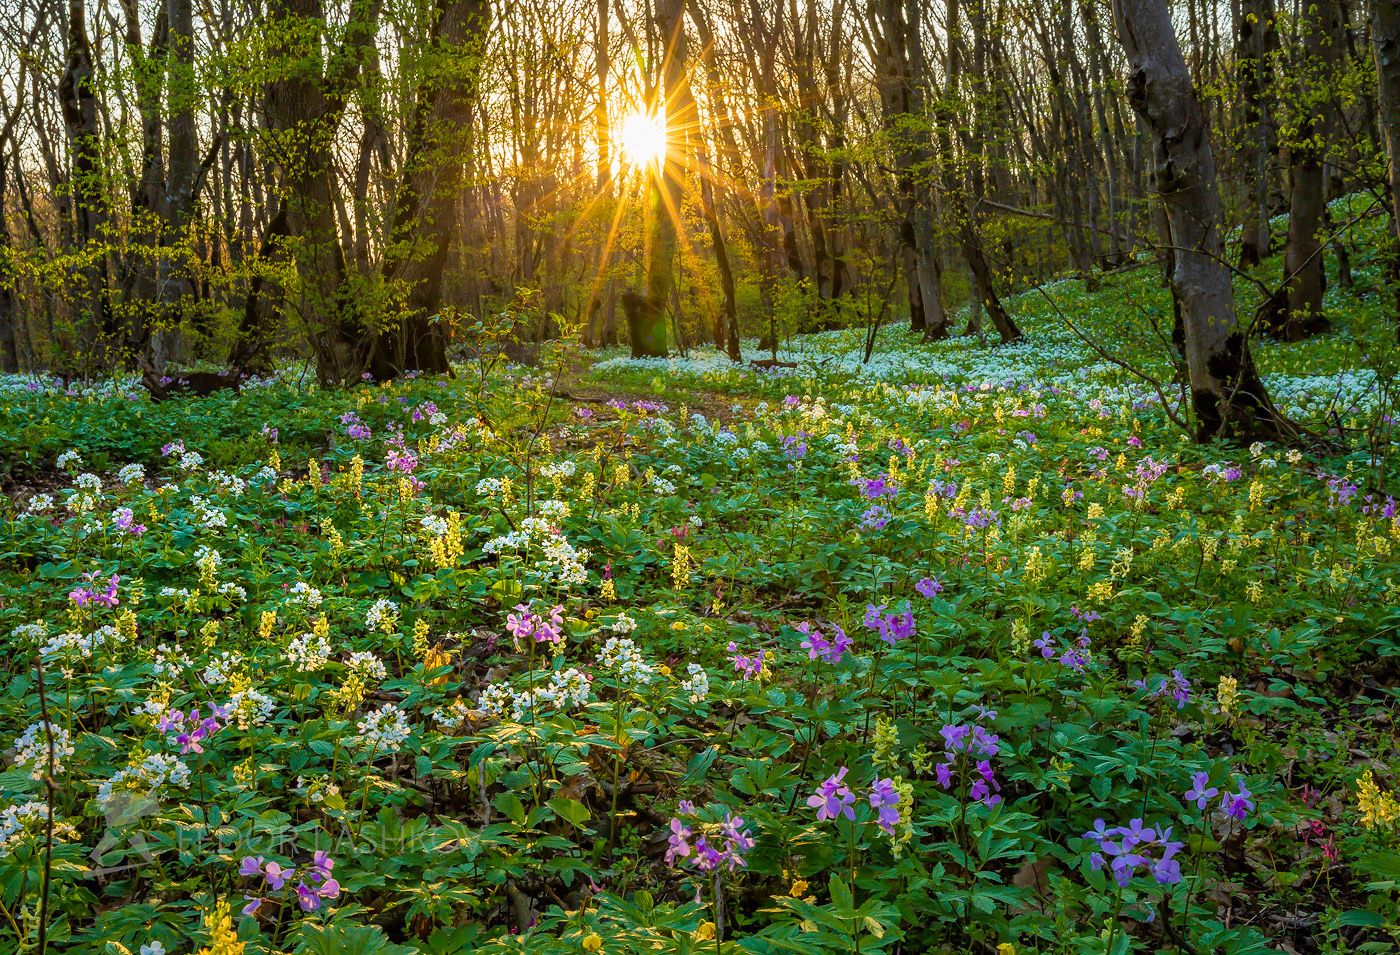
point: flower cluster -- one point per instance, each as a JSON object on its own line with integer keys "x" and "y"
{"x": 314, "y": 881}
{"x": 1135, "y": 849}
{"x": 715, "y": 846}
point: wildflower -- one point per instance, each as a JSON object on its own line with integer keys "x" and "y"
{"x": 592, "y": 942}
{"x": 1377, "y": 808}
{"x": 875, "y": 518}
{"x": 819, "y": 647}
{"x": 697, "y": 685}
{"x": 90, "y": 594}
{"x": 383, "y": 616}
{"x": 884, "y": 799}
{"x": 384, "y": 730}
{"x": 1128, "y": 849}
{"x": 1227, "y": 693}
{"x": 525, "y": 625}
{"x": 929, "y": 587}
{"x": 1200, "y": 793}
{"x": 223, "y": 940}
{"x": 750, "y": 665}
{"x": 892, "y": 627}
{"x": 32, "y": 747}
{"x": 1237, "y": 805}
{"x": 621, "y": 656}
{"x": 833, "y": 798}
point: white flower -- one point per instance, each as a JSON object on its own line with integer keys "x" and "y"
{"x": 622, "y": 657}
{"x": 88, "y": 482}
{"x": 153, "y": 948}
{"x": 249, "y": 708}
{"x": 131, "y": 474}
{"x": 697, "y": 685}
{"x": 367, "y": 665}
{"x": 384, "y": 730}
{"x": 623, "y": 624}
{"x": 69, "y": 458}
{"x": 382, "y": 616}
{"x": 39, "y": 504}
{"x": 29, "y": 819}
{"x": 190, "y": 460}
{"x": 219, "y": 668}
{"x": 304, "y": 594}
{"x": 147, "y": 778}
{"x": 32, "y": 748}
{"x": 308, "y": 652}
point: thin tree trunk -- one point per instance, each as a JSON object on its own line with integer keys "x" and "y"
{"x": 1227, "y": 394}
{"x": 1385, "y": 40}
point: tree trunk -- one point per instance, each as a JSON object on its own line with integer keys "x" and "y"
{"x": 647, "y": 317}
{"x": 1303, "y": 262}
{"x": 1227, "y": 395}
{"x": 1253, "y": 71}
{"x": 426, "y": 209}
{"x": 1385, "y": 40}
{"x": 78, "y": 98}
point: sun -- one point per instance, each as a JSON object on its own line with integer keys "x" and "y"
{"x": 642, "y": 137}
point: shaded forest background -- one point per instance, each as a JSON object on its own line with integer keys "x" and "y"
{"x": 373, "y": 184}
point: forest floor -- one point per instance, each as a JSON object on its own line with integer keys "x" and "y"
{"x": 967, "y": 648}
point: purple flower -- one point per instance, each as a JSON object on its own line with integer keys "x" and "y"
{"x": 321, "y": 866}
{"x": 1199, "y": 793}
{"x": 877, "y": 487}
{"x": 307, "y": 898}
{"x": 892, "y": 627}
{"x": 751, "y": 666}
{"x": 678, "y": 847}
{"x": 875, "y": 518}
{"x": 275, "y": 875}
{"x": 1127, "y": 849}
{"x": 929, "y": 587}
{"x": 254, "y": 903}
{"x": 819, "y": 647}
{"x": 525, "y": 624}
{"x": 251, "y": 865}
{"x": 1237, "y": 805}
{"x": 884, "y": 799}
{"x": 833, "y": 798}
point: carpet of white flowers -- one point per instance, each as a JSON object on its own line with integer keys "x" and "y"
{"x": 965, "y": 650}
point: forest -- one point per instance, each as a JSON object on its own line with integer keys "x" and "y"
{"x": 750, "y": 476}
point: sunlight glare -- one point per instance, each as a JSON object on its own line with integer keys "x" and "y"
{"x": 643, "y": 138}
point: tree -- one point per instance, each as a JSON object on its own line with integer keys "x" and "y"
{"x": 1385, "y": 41}
{"x": 1227, "y": 395}
{"x": 646, "y": 313}
{"x": 1303, "y": 265}
{"x": 428, "y": 199}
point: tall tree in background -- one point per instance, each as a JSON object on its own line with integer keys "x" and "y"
{"x": 894, "y": 31}
{"x": 1227, "y": 394}
{"x": 428, "y": 198}
{"x": 647, "y": 311}
{"x": 1385, "y": 40}
{"x": 78, "y": 97}
{"x": 1316, "y": 104}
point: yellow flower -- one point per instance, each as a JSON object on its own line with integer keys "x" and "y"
{"x": 1227, "y": 694}
{"x": 705, "y": 932}
{"x": 223, "y": 940}
{"x": 1006, "y": 948}
{"x": 799, "y": 889}
{"x": 593, "y": 942}
{"x": 1377, "y": 808}
{"x": 434, "y": 658}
